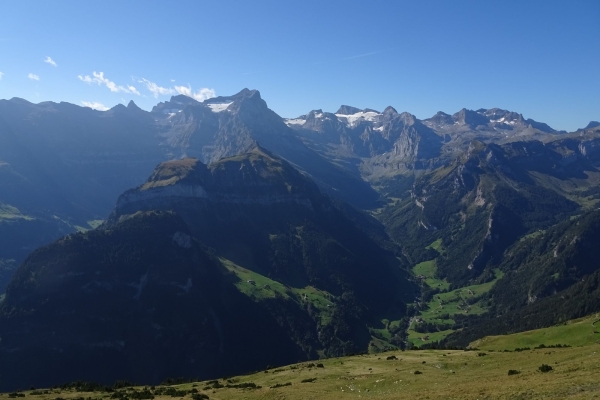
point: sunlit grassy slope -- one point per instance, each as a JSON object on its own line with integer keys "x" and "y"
{"x": 260, "y": 287}
{"x": 443, "y": 375}
{"x": 579, "y": 332}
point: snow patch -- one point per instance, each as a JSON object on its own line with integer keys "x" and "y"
{"x": 218, "y": 107}
{"x": 296, "y": 121}
{"x": 502, "y": 120}
{"x": 354, "y": 119}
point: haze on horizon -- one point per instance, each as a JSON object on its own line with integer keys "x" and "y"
{"x": 536, "y": 58}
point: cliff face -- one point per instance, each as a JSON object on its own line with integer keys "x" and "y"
{"x": 256, "y": 178}
{"x": 480, "y": 204}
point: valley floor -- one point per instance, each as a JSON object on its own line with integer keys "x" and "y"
{"x": 444, "y": 375}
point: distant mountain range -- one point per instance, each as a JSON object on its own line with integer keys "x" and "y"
{"x": 326, "y": 234}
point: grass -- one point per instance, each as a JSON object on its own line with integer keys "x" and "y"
{"x": 442, "y": 172}
{"x": 578, "y": 332}
{"x": 260, "y": 288}
{"x": 427, "y": 270}
{"x": 437, "y": 246}
{"x": 255, "y": 285}
{"x": 444, "y": 375}
{"x": 451, "y": 303}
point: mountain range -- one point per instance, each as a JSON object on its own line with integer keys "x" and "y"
{"x": 169, "y": 242}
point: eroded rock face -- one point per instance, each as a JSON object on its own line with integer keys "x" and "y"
{"x": 257, "y": 179}
{"x": 590, "y": 149}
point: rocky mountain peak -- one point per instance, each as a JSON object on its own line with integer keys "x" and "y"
{"x": 441, "y": 118}
{"x": 347, "y": 110}
{"x": 408, "y": 118}
{"x": 182, "y": 100}
{"x": 592, "y": 124}
{"x": 538, "y": 125}
{"x": 390, "y": 111}
{"x": 250, "y": 93}
{"x": 248, "y": 102}
{"x": 244, "y": 94}
{"x": 176, "y": 172}
{"x": 133, "y": 106}
{"x": 255, "y": 177}
{"x": 469, "y": 117}
{"x": 18, "y": 100}
{"x": 118, "y": 108}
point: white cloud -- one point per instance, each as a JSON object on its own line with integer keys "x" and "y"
{"x": 33, "y": 77}
{"x": 200, "y": 95}
{"x": 94, "y": 105}
{"x": 98, "y": 78}
{"x": 50, "y": 61}
{"x": 155, "y": 89}
{"x": 1, "y": 75}
{"x": 133, "y": 90}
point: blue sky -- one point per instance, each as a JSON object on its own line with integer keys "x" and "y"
{"x": 539, "y": 58}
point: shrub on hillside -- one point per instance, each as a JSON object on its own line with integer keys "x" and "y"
{"x": 545, "y": 368}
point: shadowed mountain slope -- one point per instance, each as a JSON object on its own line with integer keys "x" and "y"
{"x": 196, "y": 266}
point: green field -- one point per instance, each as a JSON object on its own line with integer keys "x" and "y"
{"x": 259, "y": 288}
{"x": 426, "y": 272}
{"x": 580, "y": 332}
{"x": 437, "y": 246}
{"x": 440, "y": 309}
{"x": 458, "y": 301}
